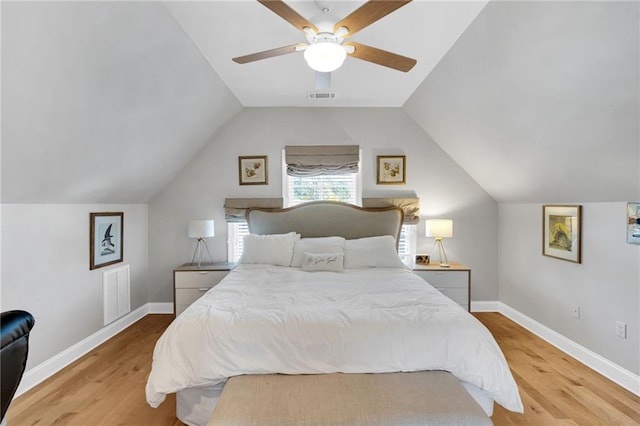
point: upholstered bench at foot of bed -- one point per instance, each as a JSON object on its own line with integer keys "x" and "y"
{"x": 419, "y": 398}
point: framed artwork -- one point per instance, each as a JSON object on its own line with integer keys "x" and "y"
{"x": 391, "y": 169}
{"x": 106, "y": 231}
{"x": 633, "y": 222}
{"x": 253, "y": 170}
{"x": 561, "y": 232}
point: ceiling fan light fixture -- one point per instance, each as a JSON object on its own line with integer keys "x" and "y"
{"x": 325, "y": 56}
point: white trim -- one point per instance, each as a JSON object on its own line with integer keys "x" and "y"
{"x": 610, "y": 370}
{"x": 485, "y": 306}
{"x": 48, "y": 368}
{"x": 160, "y": 308}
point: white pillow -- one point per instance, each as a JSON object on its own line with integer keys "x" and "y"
{"x": 275, "y": 249}
{"x": 323, "y": 262}
{"x": 315, "y": 245}
{"x": 372, "y": 252}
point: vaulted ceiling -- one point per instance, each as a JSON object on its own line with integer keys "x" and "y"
{"x": 105, "y": 102}
{"x": 423, "y": 30}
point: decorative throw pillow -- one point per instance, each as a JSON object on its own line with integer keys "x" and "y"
{"x": 275, "y": 249}
{"x": 315, "y": 245}
{"x": 323, "y": 262}
{"x": 372, "y": 252}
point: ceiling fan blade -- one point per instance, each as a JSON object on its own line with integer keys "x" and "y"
{"x": 381, "y": 57}
{"x": 284, "y": 11}
{"x": 270, "y": 53}
{"x": 367, "y": 14}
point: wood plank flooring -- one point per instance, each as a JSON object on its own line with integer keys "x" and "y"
{"x": 106, "y": 386}
{"x": 555, "y": 388}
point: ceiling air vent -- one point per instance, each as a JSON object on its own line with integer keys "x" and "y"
{"x": 321, "y": 95}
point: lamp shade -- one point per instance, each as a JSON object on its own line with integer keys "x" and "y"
{"x": 439, "y": 228}
{"x": 201, "y": 228}
{"x": 325, "y": 56}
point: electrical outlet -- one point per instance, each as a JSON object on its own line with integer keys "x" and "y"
{"x": 575, "y": 311}
{"x": 621, "y": 329}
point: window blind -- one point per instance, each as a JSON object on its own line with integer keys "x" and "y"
{"x": 410, "y": 206}
{"x": 321, "y": 160}
{"x": 236, "y": 208}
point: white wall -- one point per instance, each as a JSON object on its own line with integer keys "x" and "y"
{"x": 606, "y": 285}
{"x": 445, "y": 190}
{"x": 45, "y": 270}
{"x": 534, "y": 94}
{"x": 102, "y": 101}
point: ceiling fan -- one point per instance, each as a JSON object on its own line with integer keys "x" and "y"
{"x": 325, "y": 50}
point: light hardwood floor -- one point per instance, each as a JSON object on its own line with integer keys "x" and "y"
{"x": 106, "y": 387}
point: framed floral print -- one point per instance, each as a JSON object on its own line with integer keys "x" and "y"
{"x": 561, "y": 232}
{"x": 253, "y": 170}
{"x": 106, "y": 231}
{"x": 391, "y": 169}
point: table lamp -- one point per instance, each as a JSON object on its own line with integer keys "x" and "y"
{"x": 201, "y": 229}
{"x": 439, "y": 229}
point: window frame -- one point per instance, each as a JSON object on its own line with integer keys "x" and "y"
{"x": 286, "y": 179}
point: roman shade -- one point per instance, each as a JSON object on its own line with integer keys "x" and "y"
{"x": 236, "y": 208}
{"x": 410, "y": 206}
{"x": 317, "y": 160}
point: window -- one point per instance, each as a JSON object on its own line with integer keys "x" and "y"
{"x": 321, "y": 172}
{"x": 407, "y": 246}
{"x": 344, "y": 187}
{"x": 235, "y": 239}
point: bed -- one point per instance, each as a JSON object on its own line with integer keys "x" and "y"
{"x": 320, "y": 289}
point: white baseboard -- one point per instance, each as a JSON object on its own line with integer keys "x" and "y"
{"x": 610, "y": 370}
{"x": 48, "y": 368}
{"x": 485, "y": 306}
{"x": 160, "y": 308}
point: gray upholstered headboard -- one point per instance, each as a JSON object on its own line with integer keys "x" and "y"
{"x": 327, "y": 218}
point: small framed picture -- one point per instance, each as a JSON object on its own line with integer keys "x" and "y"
{"x": 391, "y": 169}
{"x": 422, "y": 259}
{"x": 253, "y": 170}
{"x": 633, "y": 222}
{"x": 106, "y": 231}
{"x": 561, "y": 232}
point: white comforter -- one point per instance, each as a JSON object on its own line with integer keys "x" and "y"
{"x": 270, "y": 319}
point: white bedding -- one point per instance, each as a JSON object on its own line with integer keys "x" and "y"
{"x": 271, "y": 319}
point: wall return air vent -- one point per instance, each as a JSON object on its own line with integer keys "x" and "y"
{"x": 321, "y": 95}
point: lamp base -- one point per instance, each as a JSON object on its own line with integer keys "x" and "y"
{"x": 198, "y": 253}
{"x": 444, "y": 263}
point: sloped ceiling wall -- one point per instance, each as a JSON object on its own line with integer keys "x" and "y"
{"x": 102, "y": 102}
{"x": 538, "y": 101}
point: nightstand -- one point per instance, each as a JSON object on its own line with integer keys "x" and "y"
{"x": 191, "y": 282}
{"x": 454, "y": 281}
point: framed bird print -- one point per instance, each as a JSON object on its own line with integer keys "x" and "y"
{"x": 106, "y": 231}
{"x": 561, "y": 232}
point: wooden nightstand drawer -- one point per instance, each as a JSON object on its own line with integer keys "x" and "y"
{"x": 458, "y": 295}
{"x": 186, "y": 296}
{"x": 197, "y": 279}
{"x": 445, "y": 278}
{"x": 191, "y": 282}
{"x": 454, "y": 281}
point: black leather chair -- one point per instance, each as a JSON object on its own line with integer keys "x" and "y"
{"x": 14, "y": 348}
